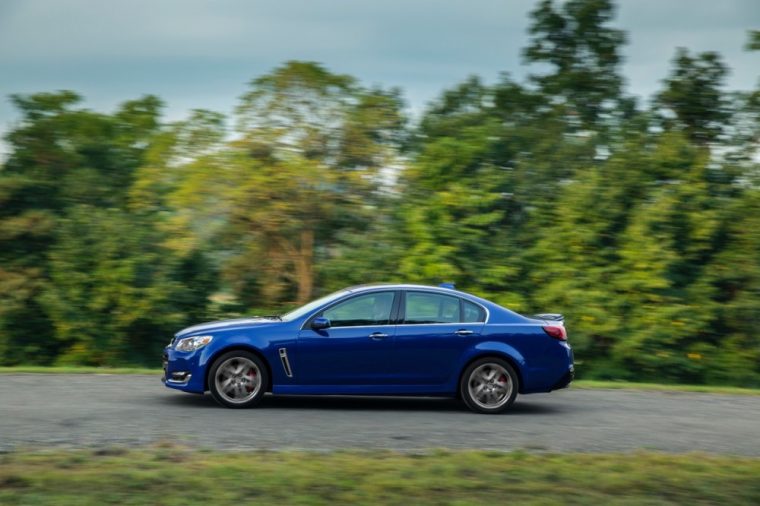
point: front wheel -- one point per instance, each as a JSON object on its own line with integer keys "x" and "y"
{"x": 238, "y": 379}
{"x": 489, "y": 385}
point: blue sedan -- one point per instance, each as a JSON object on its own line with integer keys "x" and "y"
{"x": 376, "y": 340}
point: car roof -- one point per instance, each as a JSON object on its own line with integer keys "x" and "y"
{"x": 399, "y": 286}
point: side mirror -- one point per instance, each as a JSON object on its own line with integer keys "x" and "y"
{"x": 320, "y": 322}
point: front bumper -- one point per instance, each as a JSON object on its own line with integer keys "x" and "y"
{"x": 182, "y": 370}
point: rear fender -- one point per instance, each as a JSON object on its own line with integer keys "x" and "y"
{"x": 493, "y": 349}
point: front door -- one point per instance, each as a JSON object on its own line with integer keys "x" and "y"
{"x": 357, "y": 348}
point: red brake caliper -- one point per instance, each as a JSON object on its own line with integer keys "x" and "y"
{"x": 251, "y": 374}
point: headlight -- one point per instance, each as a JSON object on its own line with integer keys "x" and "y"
{"x": 192, "y": 343}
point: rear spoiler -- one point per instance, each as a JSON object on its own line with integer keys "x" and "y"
{"x": 551, "y": 317}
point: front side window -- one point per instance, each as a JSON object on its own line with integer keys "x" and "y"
{"x": 422, "y": 307}
{"x": 369, "y": 309}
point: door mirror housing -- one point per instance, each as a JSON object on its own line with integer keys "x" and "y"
{"x": 320, "y": 322}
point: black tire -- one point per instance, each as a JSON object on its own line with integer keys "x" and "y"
{"x": 503, "y": 387}
{"x": 253, "y": 374}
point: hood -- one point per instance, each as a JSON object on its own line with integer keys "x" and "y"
{"x": 225, "y": 324}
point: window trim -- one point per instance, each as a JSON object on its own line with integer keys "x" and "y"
{"x": 393, "y": 318}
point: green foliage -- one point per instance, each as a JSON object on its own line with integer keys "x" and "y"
{"x": 753, "y": 41}
{"x": 308, "y": 168}
{"x": 693, "y": 95}
{"x": 584, "y": 52}
{"x": 82, "y": 280}
{"x": 554, "y": 195}
{"x": 451, "y": 216}
{"x": 114, "y": 289}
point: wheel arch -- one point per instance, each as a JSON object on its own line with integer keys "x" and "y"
{"x": 497, "y": 354}
{"x": 237, "y": 347}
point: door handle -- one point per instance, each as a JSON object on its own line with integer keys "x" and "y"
{"x": 376, "y": 336}
{"x": 464, "y": 332}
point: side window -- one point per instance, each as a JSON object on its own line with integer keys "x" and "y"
{"x": 472, "y": 312}
{"x": 423, "y": 307}
{"x": 368, "y": 309}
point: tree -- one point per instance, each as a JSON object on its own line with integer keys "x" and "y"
{"x": 116, "y": 294}
{"x": 310, "y": 163}
{"x": 732, "y": 277}
{"x": 753, "y": 41}
{"x": 574, "y": 258}
{"x": 693, "y": 95}
{"x": 183, "y": 180}
{"x": 59, "y": 156}
{"x": 490, "y": 164}
{"x": 455, "y": 209}
{"x": 584, "y": 53}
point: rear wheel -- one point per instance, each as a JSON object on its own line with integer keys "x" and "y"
{"x": 489, "y": 385}
{"x": 238, "y": 379}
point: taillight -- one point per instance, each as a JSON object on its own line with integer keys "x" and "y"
{"x": 556, "y": 331}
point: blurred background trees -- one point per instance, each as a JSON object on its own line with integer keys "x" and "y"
{"x": 560, "y": 193}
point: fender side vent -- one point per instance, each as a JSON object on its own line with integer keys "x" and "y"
{"x": 285, "y": 362}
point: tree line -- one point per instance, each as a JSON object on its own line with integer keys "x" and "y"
{"x": 639, "y": 220}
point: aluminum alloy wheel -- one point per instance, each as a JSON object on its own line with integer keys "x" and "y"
{"x": 238, "y": 380}
{"x": 490, "y": 386}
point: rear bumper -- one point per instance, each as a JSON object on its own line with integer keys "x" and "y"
{"x": 565, "y": 380}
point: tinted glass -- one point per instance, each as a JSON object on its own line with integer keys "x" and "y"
{"x": 369, "y": 309}
{"x": 473, "y": 312}
{"x": 431, "y": 308}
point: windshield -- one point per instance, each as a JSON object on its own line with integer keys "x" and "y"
{"x": 307, "y": 308}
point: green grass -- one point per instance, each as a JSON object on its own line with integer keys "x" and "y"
{"x": 178, "y": 476}
{"x": 713, "y": 389}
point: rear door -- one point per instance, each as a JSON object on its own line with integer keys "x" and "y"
{"x": 434, "y": 331}
{"x": 357, "y": 348}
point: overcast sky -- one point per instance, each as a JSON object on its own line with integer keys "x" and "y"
{"x": 200, "y": 54}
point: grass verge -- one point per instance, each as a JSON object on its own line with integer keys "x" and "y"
{"x": 174, "y": 475}
{"x": 712, "y": 389}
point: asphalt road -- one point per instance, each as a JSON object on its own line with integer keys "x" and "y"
{"x": 42, "y": 410}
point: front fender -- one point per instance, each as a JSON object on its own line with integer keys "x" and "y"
{"x": 265, "y": 345}
{"x": 221, "y": 343}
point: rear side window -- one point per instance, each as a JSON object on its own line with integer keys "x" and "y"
{"x": 472, "y": 312}
{"x": 422, "y": 307}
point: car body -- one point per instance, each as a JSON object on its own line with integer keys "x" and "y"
{"x": 380, "y": 339}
